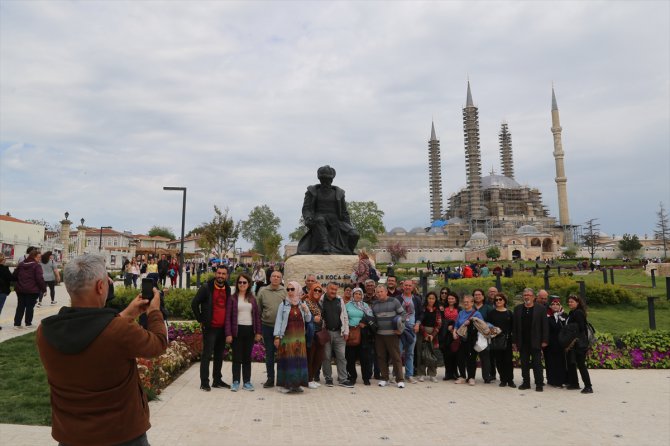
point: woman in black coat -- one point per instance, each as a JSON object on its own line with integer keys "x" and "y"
{"x": 554, "y": 354}
{"x": 577, "y": 354}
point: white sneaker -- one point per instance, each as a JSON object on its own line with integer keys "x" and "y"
{"x": 382, "y": 383}
{"x": 412, "y": 380}
{"x": 471, "y": 382}
{"x": 312, "y": 385}
{"x": 460, "y": 381}
{"x": 433, "y": 379}
{"x": 316, "y": 384}
{"x": 421, "y": 378}
{"x": 401, "y": 385}
{"x": 392, "y": 380}
{"x": 17, "y": 327}
{"x": 53, "y": 302}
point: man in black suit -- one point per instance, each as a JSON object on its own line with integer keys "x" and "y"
{"x": 531, "y": 334}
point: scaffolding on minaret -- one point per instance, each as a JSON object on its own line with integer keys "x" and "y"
{"x": 473, "y": 167}
{"x": 506, "y": 161}
{"x": 435, "y": 176}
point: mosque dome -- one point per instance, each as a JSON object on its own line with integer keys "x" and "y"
{"x": 417, "y": 230}
{"x": 479, "y": 236}
{"x": 527, "y": 230}
{"x": 499, "y": 181}
{"x": 455, "y": 221}
{"x": 436, "y": 230}
{"x": 397, "y": 230}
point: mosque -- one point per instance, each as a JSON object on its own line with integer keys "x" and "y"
{"x": 492, "y": 210}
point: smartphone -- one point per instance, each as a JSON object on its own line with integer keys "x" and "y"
{"x": 147, "y": 288}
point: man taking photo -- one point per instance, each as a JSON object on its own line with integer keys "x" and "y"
{"x": 89, "y": 352}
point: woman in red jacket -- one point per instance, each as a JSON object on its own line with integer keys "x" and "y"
{"x": 173, "y": 271}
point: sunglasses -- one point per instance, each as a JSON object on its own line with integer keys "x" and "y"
{"x": 290, "y": 289}
{"x": 443, "y": 292}
{"x": 318, "y": 291}
{"x": 243, "y": 282}
{"x": 500, "y": 300}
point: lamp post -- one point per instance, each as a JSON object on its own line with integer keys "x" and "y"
{"x": 100, "y": 239}
{"x": 183, "y": 221}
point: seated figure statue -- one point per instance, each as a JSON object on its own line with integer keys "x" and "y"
{"x": 325, "y": 214}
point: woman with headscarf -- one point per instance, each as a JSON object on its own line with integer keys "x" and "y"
{"x": 577, "y": 354}
{"x": 314, "y": 349}
{"x": 359, "y": 314}
{"x": 554, "y": 354}
{"x": 289, "y": 334}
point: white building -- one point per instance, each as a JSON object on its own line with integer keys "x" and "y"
{"x": 17, "y": 235}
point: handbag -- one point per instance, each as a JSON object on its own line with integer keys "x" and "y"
{"x": 482, "y": 342}
{"x": 354, "y": 338}
{"x": 455, "y": 344}
{"x": 322, "y": 336}
{"x": 428, "y": 357}
{"x": 499, "y": 342}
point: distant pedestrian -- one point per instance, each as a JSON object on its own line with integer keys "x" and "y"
{"x": 173, "y": 272}
{"x": 51, "y": 276}
{"x": 29, "y": 284}
{"x": 5, "y": 281}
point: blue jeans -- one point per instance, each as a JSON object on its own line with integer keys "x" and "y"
{"x": 409, "y": 357}
{"x": 269, "y": 341}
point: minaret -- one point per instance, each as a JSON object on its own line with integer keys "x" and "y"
{"x": 506, "y": 162}
{"x": 473, "y": 168}
{"x": 435, "y": 176}
{"x": 561, "y": 179}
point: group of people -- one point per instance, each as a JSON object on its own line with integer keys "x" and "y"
{"x": 35, "y": 274}
{"x": 140, "y": 267}
{"x": 305, "y": 329}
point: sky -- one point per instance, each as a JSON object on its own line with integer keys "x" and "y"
{"x": 103, "y": 103}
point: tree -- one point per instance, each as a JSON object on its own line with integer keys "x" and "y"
{"x": 298, "y": 232}
{"x": 662, "y": 231}
{"x": 397, "y": 252}
{"x": 262, "y": 229}
{"x": 366, "y": 217}
{"x": 493, "y": 253}
{"x": 52, "y": 227}
{"x": 220, "y": 234}
{"x": 591, "y": 235}
{"x": 629, "y": 245}
{"x": 162, "y": 231}
{"x": 570, "y": 252}
{"x": 271, "y": 246}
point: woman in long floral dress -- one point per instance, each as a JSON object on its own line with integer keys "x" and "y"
{"x": 290, "y": 342}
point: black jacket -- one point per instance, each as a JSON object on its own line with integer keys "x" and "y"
{"x": 5, "y": 279}
{"x": 539, "y": 330}
{"x": 202, "y": 303}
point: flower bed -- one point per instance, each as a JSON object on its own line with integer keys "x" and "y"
{"x": 157, "y": 373}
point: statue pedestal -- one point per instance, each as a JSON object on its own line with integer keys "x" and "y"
{"x": 327, "y": 268}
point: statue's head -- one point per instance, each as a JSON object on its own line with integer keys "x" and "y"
{"x": 325, "y": 174}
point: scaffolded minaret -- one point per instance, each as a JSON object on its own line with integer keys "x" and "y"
{"x": 506, "y": 162}
{"x": 435, "y": 176}
{"x": 473, "y": 167}
{"x": 561, "y": 179}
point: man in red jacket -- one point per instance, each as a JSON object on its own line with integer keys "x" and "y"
{"x": 89, "y": 352}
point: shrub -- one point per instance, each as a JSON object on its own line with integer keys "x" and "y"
{"x": 648, "y": 349}
{"x": 177, "y": 301}
{"x": 157, "y": 373}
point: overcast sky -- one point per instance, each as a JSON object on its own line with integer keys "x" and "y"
{"x": 104, "y": 103}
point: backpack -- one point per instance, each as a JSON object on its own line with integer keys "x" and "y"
{"x": 590, "y": 334}
{"x": 372, "y": 273}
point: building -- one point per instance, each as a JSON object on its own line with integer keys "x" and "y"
{"x": 17, "y": 235}
{"x": 491, "y": 210}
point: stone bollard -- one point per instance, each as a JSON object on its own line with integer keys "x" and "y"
{"x": 423, "y": 282}
{"x": 582, "y": 290}
{"x": 667, "y": 287}
{"x": 652, "y": 312}
{"x": 498, "y": 283}
{"x": 188, "y": 279}
{"x": 605, "y": 276}
{"x": 546, "y": 282}
{"x": 612, "y": 276}
{"x": 559, "y": 271}
{"x": 197, "y": 278}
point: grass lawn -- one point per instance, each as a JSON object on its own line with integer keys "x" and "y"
{"x": 635, "y": 280}
{"x": 24, "y": 390}
{"x": 618, "y": 319}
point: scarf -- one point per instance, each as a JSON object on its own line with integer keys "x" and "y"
{"x": 295, "y": 300}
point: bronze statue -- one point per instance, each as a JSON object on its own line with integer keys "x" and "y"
{"x": 325, "y": 214}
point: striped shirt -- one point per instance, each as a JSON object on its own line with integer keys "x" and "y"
{"x": 384, "y": 313}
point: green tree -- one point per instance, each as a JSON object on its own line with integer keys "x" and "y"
{"x": 298, "y": 232}
{"x": 220, "y": 234}
{"x": 590, "y": 236}
{"x": 662, "y": 231}
{"x": 570, "y": 252}
{"x": 629, "y": 245}
{"x": 493, "y": 253}
{"x": 366, "y": 217}
{"x": 262, "y": 229}
{"x": 162, "y": 231}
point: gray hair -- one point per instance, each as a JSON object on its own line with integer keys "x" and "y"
{"x": 528, "y": 289}
{"x": 83, "y": 271}
{"x": 367, "y": 281}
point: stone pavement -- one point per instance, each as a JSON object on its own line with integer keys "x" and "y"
{"x": 629, "y": 407}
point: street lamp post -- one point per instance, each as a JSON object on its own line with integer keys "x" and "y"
{"x": 100, "y": 239}
{"x": 183, "y": 221}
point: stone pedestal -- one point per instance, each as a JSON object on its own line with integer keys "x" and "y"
{"x": 327, "y": 268}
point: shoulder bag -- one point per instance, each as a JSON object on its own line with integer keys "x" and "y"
{"x": 354, "y": 338}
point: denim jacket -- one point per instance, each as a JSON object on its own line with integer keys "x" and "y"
{"x": 282, "y": 317}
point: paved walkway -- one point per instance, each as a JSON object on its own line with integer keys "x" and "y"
{"x": 628, "y": 407}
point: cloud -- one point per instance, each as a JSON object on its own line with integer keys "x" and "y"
{"x": 104, "y": 103}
